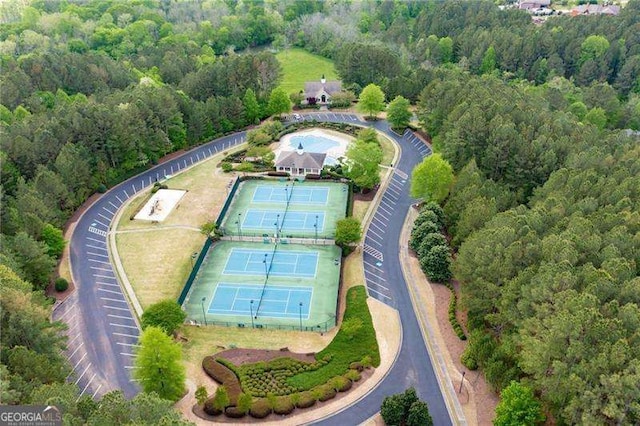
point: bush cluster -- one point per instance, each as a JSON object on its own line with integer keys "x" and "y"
{"x": 223, "y": 375}
{"x": 453, "y": 319}
{"x": 61, "y": 284}
{"x": 260, "y": 408}
{"x": 158, "y": 186}
{"x": 430, "y": 245}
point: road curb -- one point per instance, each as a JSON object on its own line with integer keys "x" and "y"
{"x": 437, "y": 360}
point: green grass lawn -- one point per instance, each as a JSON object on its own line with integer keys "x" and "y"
{"x": 299, "y": 66}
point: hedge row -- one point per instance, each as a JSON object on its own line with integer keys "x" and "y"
{"x": 453, "y": 319}
{"x": 223, "y": 375}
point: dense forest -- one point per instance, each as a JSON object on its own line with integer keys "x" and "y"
{"x": 536, "y": 120}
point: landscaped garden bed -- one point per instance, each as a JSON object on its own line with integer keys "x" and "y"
{"x": 258, "y": 383}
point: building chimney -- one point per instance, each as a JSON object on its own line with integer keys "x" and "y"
{"x": 323, "y": 80}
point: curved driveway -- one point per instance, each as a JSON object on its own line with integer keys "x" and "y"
{"x": 103, "y": 331}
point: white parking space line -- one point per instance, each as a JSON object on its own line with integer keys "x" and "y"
{"x": 131, "y": 367}
{"x": 97, "y": 241}
{"x": 376, "y": 234}
{"x": 135, "y": 345}
{"x": 116, "y": 308}
{"x": 126, "y": 193}
{"x": 71, "y": 307}
{"x": 379, "y": 213}
{"x": 97, "y": 254}
{"x": 80, "y": 377}
{"x": 120, "y": 316}
{"x": 113, "y": 300}
{"x": 122, "y": 325}
{"x": 128, "y": 354}
{"x": 109, "y": 291}
{"x": 393, "y": 189}
{"x": 377, "y": 285}
{"x": 94, "y": 393}
{"x": 74, "y": 339}
{"x": 104, "y": 217}
{"x": 88, "y": 383}
{"x": 375, "y": 219}
{"x": 133, "y": 186}
{"x": 78, "y": 363}
{"x": 387, "y": 203}
{"x": 97, "y": 248}
{"x": 76, "y": 350}
{"x": 119, "y": 199}
{"x": 372, "y": 240}
{"x": 371, "y": 265}
{"x": 381, "y": 294}
{"x": 124, "y": 335}
{"x": 108, "y": 285}
{"x": 380, "y": 207}
{"x": 377, "y": 277}
{"x": 377, "y": 227}
{"x": 98, "y": 268}
{"x": 107, "y": 277}
{"x": 103, "y": 224}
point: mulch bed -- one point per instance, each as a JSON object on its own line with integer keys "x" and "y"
{"x": 249, "y": 356}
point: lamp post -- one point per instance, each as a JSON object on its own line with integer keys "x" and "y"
{"x": 286, "y": 193}
{"x": 316, "y": 228}
{"x": 300, "y": 311}
{"x": 276, "y": 224}
{"x": 204, "y": 317}
{"x": 251, "y": 309}
{"x": 266, "y": 271}
{"x": 239, "y": 228}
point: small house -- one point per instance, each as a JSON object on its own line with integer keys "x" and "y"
{"x": 320, "y": 92}
{"x": 300, "y": 163}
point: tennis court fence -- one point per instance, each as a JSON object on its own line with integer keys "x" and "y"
{"x": 322, "y": 327}
{"x": 268, "y": 239}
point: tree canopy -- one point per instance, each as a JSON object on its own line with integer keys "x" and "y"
{"x": 371, "y": 100}
{"x": 432, "y": 179}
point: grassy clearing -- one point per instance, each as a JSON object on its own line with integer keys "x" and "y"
{"x": 388, "y": 150}
{"x": 157, "y": 256}
{"x": 300, "y": 66}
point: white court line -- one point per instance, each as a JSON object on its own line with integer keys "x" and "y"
{"x": 97, "y": 241}
{"x": 125, "y": 335}
{"x": 109, "y": 291}
{"x": 115, "y": 308}
{"x": 113, "y": 300}
{"x": 94, "y": 394}
{"x": 97, "y": 248}
{"x": 122, "y": 325}
{"x": 74, "y": 352}
{"x": 97, "y": 254}
{"x": 88, "y": 383}
{"x": 78, "y": 363}
{"x": 381, "y": 294}
{"x": 80, "y": 377}
{"x": 120, "y": 316}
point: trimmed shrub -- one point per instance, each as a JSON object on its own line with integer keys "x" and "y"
{"x": 430, "y": 241}
{"x": 260, "y": 408}
{"x": 353, "y": 375}
{"x": 356, "y": 366}
{"x": 419, "y": 232}
{"x": 283, "y": 405}
{"x": 61, "y": 284}
{"x": 223, "y": 375}
{"x": 453, "y": 319}
{"x": 244, "y": 403}
{"x": 426, "y": 216}
{"x": 234, "y": 413}
{"x": 434, "y": 207}
{"x": 340, "y": 383}
{"x": 305, "y": 400}
{"x": 226, "y": 166}
{"x": 326, "y": 393}
{"x": 437, "y": 264}
{"x": 210, "y": 408}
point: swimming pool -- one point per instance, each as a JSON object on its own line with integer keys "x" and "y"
{"x": 316, "y": 140}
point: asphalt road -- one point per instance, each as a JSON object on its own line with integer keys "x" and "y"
{"x": 103, "y": 333}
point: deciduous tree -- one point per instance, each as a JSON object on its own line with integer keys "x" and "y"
{"x": 518, "y": 406}
{"x": 432, "y": 179}
{"x": 279, "y": 102}
{"x": 167, "y": 315}
{"x": 398, "y": 113}
{"x": 371, "y": 100}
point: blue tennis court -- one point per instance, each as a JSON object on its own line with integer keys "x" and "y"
{"x": 296, "y": 194}
{"x": 294, "y": 220}
{"x": 277, "y": 301}
{"x": 283, "y": 263}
